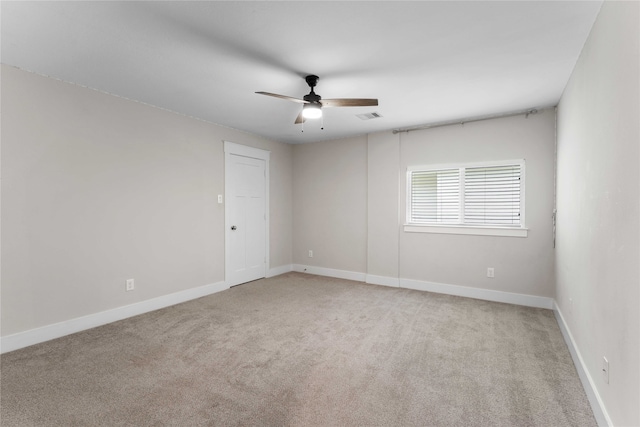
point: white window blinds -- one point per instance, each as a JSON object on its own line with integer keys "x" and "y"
{"x": 475, "y": 195}
{"x": 435, "y": 196}
{"x": 492, "y": 195}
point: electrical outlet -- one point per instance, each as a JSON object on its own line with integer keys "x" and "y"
{"x": 310, "y": 253}
{"x": 490, "y": 272}
{"x": 130, "y": 285}
{"x": 219, "y": 198}
{"x": 605, "y": 370}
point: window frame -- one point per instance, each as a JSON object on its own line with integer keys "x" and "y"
{"x": 462, "y": 228}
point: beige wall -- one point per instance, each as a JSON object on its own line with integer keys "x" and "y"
{"x": 349, "y": 201}
{"x": 522, "y": 265}
{"x": 330, "y": 204}
{"x": 598, "y": 257}
{"x": 383, "y": 204}
{"x": 97, "y": 189}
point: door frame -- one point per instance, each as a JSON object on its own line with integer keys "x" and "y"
{"x": 232, "y": 148}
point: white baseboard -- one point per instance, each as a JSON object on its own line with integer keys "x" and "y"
{"x": 329, "y": 272}
{"x": 67, "y": 327}
{"x": 599, "y": 410}
{"x": 372, "y": 279}
{"x": 276, "y": 271}
{"x": 477, "y": 293}
{"x": 441, "y": 288}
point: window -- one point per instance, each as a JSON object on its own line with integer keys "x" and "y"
{"x": 486, "y": 198}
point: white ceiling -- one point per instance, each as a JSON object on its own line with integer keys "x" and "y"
{"x": 426, "y": 62}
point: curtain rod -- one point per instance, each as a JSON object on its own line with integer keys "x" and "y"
{"x": 526, "y": 113}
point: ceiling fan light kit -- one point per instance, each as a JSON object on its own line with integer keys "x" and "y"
{"x": 312, "y": 110}
{"x": 313, "y": 103}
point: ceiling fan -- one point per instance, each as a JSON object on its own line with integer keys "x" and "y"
{"x": 313, "y": 103}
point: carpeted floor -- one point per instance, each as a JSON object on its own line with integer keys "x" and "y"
{"x": 303, "y": 350}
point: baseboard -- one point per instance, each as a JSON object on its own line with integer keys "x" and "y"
{"x": 276, "y": 271}
{"x": 441, "y": 288}
{"x": 597, "y": 406}
{"x": 477, "y": 293}
{"x": 329, "y": 272}
{"x": 372, "y": 279}
{"x": 57, "y": 330}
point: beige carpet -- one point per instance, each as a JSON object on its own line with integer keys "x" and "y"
{"x": 303, "y": 350}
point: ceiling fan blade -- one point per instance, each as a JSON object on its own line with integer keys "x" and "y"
{"x": 299, "y": 119}
{"x": 349, "y": 102}
{"x": 288, "y": 98}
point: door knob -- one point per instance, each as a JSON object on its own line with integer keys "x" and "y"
{"x": 233, "y": 227}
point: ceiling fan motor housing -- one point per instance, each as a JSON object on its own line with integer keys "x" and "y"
{"x": 312, "y": 97}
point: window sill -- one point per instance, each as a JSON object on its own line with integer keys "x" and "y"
{"x": 466, "y": 229}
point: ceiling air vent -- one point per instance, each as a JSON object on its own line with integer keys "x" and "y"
{"x": 369, "y": 116}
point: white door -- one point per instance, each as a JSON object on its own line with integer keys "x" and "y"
{"x": 245, "y": 218}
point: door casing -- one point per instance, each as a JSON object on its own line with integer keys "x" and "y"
{"x": 231, "y": 148}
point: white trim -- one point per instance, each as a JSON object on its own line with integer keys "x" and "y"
{"x": 67, "y": 327}
{"x": 394, "y": 282}
{"x": 329, "y": 272}
{"x": 441, "y": 288}
{"x": 231, "y": 148}
{"x": 276, "y": 271}
{"x": 246, "y": 151}
{"x": 465, "y": 229}
{"x": 462, "y": 227}
{"x": 478, "y": 293}
{"x": 597, "y": 405}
